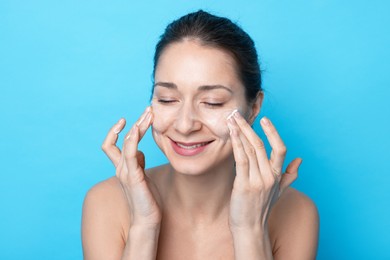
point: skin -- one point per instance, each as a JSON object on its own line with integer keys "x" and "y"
{"x": 202, "y": 206}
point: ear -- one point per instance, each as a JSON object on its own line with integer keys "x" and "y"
{"x": 255, "y": 107}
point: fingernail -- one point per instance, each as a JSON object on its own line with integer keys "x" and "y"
{"x": 118, "y": 127}
{"x": 231, "y": 114}
{"x": 265, "y": 121}
{"x": 301, "y": 160}
{"x": 149, "y": 118}
{"x": 143, "y": 118}
{"x": 236, "y": 114}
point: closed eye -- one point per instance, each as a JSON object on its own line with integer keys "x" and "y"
{"x": 166, "y": 101}
{"x": 213, "y": 104}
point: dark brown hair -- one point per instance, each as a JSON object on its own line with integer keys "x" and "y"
{"x": 221, "y": 33}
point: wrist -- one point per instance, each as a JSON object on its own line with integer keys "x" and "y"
{"x": 258, "y": 230}
{"x": 148, "y": 235}
{"x": 252, "y": 243}
{"x": 147, "y": 229}
{"x": 253, "y": 233}
{"x": 142, "y": 242}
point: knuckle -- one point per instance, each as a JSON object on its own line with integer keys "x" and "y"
{"x": 259, "y": 144}
{"x": 257, "y": 184}
{"x": 281, "y": 150}
{"x": 129, "y": 155}
{"x": 242, "y": 161}
{"x": 251, "y": 151}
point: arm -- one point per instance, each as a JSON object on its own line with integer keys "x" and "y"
{"x": 252, "y": 244}
{"x": 102, "y": 226}
{"x": 142, "y": 243}
{"x": 257, "y": 187}
{"x": 103, "y": 236}
{"x": 102, "y": 231}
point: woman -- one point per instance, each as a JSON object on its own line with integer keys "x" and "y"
{"x": 219, "y": 197}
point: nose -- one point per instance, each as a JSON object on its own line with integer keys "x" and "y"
{"x": 187, "y": 120}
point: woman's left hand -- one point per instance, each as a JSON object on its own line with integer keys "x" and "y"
{"x": 259, "y": 181}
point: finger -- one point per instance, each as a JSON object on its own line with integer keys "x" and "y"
{"x": 130, "y": 153}
{"x": 240, "y": 157}
{"x": 254, "y": 171}
{"x": 256, "y": 142}
{"x": 142, "y": 118}
{"x": 133, "y": 137}
{"x": 290, "y": 175}
{"x": 278, "y": 153}
{"x": 142, "y": 124}
{"x": 120, "y": 166}
{"x": 109, "y": 144}
{"x": 145, "y": 121}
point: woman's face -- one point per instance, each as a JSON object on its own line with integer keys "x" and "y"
{"x": 196, "y": 88}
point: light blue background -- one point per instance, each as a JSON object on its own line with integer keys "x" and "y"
{"x": 71, "y": 69}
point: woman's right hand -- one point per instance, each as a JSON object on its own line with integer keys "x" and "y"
{"x": 141, "y": 194}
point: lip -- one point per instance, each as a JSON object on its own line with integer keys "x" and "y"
{"x": 189, "y": 149}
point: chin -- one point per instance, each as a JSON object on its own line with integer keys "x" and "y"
{"x": 200, "y": 164}
{"x": 188, "y": 167}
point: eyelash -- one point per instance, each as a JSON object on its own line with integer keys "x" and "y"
{"x": 212, "y": 105}
{"x": 163, "y": 101}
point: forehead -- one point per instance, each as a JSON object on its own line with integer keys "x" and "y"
{"x": 188, "y": 63}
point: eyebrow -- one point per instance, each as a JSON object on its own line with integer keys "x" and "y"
{"x": 200, "y": 88}
{"x": 165, "y": 85}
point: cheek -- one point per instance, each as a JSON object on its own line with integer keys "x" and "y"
{"x": 213, "y": 119}
{"x": 216, "y": 121}
{"x": 163, "y": 118}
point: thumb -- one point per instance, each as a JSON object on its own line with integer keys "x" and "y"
{"x": 141, "y": 159}
{"x": 290, "y": 175}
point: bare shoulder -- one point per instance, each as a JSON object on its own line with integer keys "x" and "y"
{"x": 105, "y": 200}
{"x": 105, "y": 196}
{"x": 294, "y": 226}
{"x": 103, "y": 220}
{"x": 105, "y": 187}
{"x": 295, "y": 202}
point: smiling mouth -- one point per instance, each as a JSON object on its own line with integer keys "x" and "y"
{"x": 192, "y": 146}
{"x": 189, "y": 149}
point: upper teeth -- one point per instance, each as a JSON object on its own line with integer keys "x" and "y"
{"x": 191, "y": 146}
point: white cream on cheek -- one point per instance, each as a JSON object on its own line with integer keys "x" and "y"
{"x": 216, "y": 121}
{"x": 213, "y": 119}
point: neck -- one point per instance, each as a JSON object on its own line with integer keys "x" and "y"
{"x": 202, "y": 199}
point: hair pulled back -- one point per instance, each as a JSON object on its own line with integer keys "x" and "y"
{"x": 221, "y": 33}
